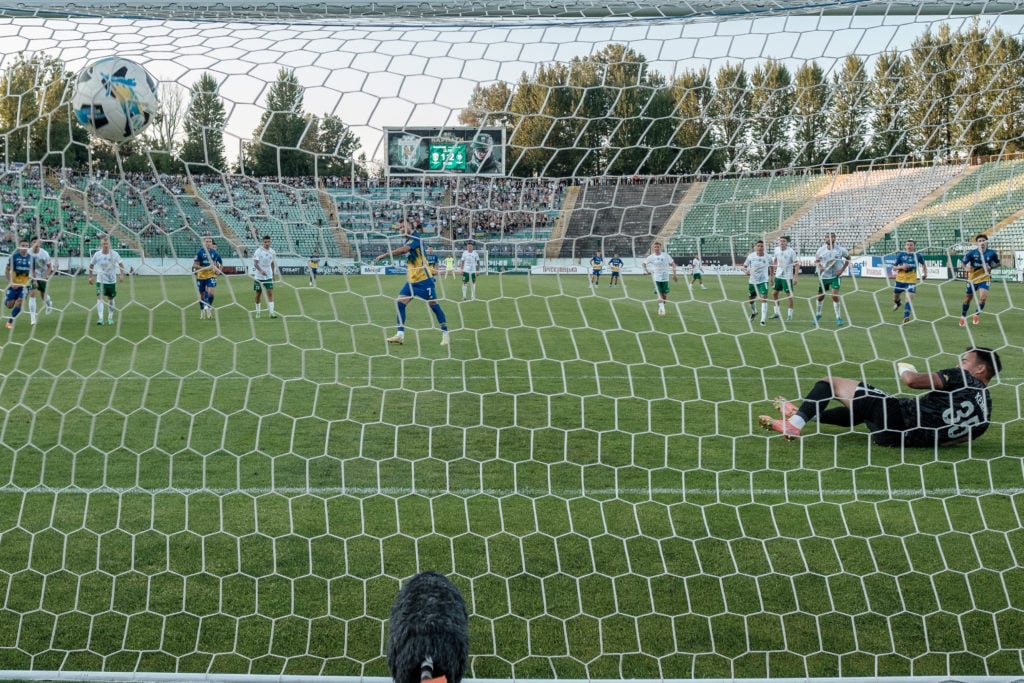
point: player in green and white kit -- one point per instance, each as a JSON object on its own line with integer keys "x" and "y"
{"x": 264, "y": 261}
{"x": 42, "y": 269}
{"x": 106, "y": 269}
{"x": 658, "y": 265}
{"x": 758, "y": 267}
{"x": 831, "y": 261}
{"x": 785, "y": 264}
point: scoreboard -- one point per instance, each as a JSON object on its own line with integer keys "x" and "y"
{"x": 448, "y": 156}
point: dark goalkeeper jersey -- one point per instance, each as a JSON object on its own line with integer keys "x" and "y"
{"x": 959, "y": 410}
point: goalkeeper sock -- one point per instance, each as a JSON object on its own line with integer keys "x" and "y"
{"x": 814, "y": 403}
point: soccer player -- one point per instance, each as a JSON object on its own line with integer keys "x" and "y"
{"x": 978, "y": 265}
{"x": 314, "y": 267}
{"x": 264, "y": 261}
{"x": 42, "y": 269}
{"x": 449, "y": 266}
{"x": 207, "y": 266}
{"x": 418, "y": 282}
{"x": 19, "y": 280}
{"x": 432, "y": 261}
{"x": 596, "y": 263}
{"x": 106, "y": 269}
{"x": 906, "y": 267}
{"x": 469, "y": 265}
{"x": 658, "y": 264}
{"x": 758, "y": 267}
{"x": 786, "y": 267}
{"x": 831, "y": 262}
{"x": 697, "y": 272}
{"x": 954, "y": 411}
{"x": 615, "y": 264}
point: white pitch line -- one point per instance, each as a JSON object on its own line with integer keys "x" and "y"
{"x": 683, "y": 494}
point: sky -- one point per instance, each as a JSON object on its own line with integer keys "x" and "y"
{"x": 378, "y": 74}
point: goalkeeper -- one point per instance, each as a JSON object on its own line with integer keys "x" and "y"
{"x": 955, "y": 411}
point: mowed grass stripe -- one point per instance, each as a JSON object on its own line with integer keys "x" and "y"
{"x": 245, "y": 495}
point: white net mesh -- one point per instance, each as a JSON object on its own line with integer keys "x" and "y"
{"x": 244, "y": 493}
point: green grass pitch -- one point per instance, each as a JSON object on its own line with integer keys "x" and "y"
{"x": 244, "y": 495}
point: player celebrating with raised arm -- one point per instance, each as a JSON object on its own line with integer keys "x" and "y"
{"x": 264, "y": 261}
{"x": 596, "y": 263}
{"x": 786, "y": 267}
{"x": 42, "y": 269}
{"x": 906, "y": 267}
{"x": 954, "y": 411}
{"x": 106, "y": 269}
{"x": 978, "y": 265}
{"x": 418, "y": 282}
{"x": 758, "y": 266}
{"x": 19, "y": 280}
{"x": 831, "y": 262}
{"x": 207, "y": 266}
{"x": 658, "y": 264}
{"x": 469, "y": 266}
{"x": 615, "y": 264}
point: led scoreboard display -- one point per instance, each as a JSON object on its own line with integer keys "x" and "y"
{"x": 447, "y": 156}
{"x": 436, "y": 151}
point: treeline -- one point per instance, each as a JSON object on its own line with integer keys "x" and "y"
{"x": 950, "y": 95}
{"x": 37, "y": 126}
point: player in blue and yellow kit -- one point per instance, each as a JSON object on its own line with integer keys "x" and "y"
{"x": 596, "y": 264}
{"x": 978, "y": 265}
{"x": 615, "y": 263}
{"x": 432, "y": 261}
{"x": 19, "y": 280}
{"x": 909, "y": 267}
{"x": 207, "y": 266}
{"x": 314, "y": 267}
{"x": 419, "y": 282}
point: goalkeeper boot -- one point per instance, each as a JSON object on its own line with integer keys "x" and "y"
{"x": 781, "y": 426}
{"x": 786, "y": 408}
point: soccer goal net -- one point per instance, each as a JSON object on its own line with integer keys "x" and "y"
{"x": 477, "y": 287}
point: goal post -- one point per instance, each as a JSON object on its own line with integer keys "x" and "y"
{"x": 223, "y": 470}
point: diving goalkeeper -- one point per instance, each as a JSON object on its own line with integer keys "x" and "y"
{"x": 955, "y": 411}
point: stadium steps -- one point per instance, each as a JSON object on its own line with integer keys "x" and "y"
{"x": 914, "y": 211}
{"x": 80, "y": 199}
{"x": 225, "y": 229}
{"x": 330, "y": 209}
{"x": 671, "y": 226}
{"x": 554, "y": 245}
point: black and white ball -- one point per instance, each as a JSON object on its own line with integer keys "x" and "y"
{"x": 115, "y": 99}
{"x": 428, "y": 631}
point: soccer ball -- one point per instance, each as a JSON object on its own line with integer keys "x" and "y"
{"x": 115, "y": 99}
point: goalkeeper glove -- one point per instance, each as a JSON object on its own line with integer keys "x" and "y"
{"x": 904, "y": 367}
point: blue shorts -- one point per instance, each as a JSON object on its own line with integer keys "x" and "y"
{"x": 424, "y": 289}
{"x": 596, "y": 273}
{"x": 204, "y": 285}
{"x": 14, "y": 294}
{"x": 908, "y": 287}
{"x": 972, "y": 288}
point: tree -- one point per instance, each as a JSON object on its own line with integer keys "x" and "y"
{"x": 489, "y": 106}
{"x": 890, "y": 107}
{"x": 848, "y": 112}
{"x": 35, "y": 120}
{"x": 810, "y": 114}
{"x": 695, "y": 136}
{"x": 203, "y": 124}
{"x": 1004, "y": 95}
{"x": 771, "y": 113}
{"x": 730, "y": 109}
{"x": 931, "y": 82}
{"x": 277, "y": 148}
{"x": 336, "y": 147}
